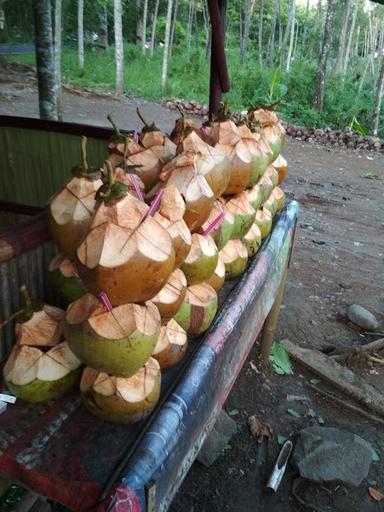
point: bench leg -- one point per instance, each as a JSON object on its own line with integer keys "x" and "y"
{"x": 271, "y": 321}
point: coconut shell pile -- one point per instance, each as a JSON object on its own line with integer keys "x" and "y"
{"x": 146, "y": 242}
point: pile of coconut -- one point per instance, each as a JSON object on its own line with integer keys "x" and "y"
{"x": 147, "y": 241}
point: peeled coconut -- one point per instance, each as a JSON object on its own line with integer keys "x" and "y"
{"x": 171, "y": 296}
{"x": 171, "y": 345}
{"x": 281, "y": 166}
{"x": 151, "y": 137}
{"x": 64, "y": 278}
{"x": 272, "y": 174}
{"x": 122, "y": 400}
{"x": 235, "y": 258}
{"x": 70, "y": 210}
{"x": 201, "y": 261}
{"x": 36, "y": 375}
{"x": 266, "y": 186}
{"x": 184, "y": 173}
{"x": 126, "y": 253}
{"x": 224, "y": 230}
{"x": 279, "y": 196}
{"x": 266, "y": 121}
{"x": 218, "y": 277}
{"x": 198, "y": 309}
{"x": 264, "y": 222}
{"x": 271, "y": 204}
{"x": 180, "y": 235}
{"x": 252, "y": 240}
{"x": 117, "y": 341}
{"x": 244, "y": 215}
{"x": 255, "y": 196}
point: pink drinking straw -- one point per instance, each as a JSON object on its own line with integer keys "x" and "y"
{"x": 133, "y": 180}
{"x": 215, "y": 224}
{"x": 105, "y": 300}
{"x": 155, "y": 203}
{"x": 136, "y": 137}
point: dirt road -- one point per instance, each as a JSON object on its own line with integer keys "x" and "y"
{"x": 338, "y": 260}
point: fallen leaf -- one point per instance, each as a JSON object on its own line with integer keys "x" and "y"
{"x": 315, "y": 381}
{"x": 260, "y": 429}
{"x": 279, "y": 359}
{"x": 281, "y": 439}
{"x": 375, "y": 494}
{"x": 253, "y": 366}
{"x": 293, "y": 413}
{"x": 375, "y": 456}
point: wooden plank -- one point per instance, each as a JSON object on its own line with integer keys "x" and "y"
{"x": 341, "y": 377}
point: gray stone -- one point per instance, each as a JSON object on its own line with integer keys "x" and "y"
{"x": 327, "y": 454}
{"x": 362, "y": 317}
{"x": 218, "y": 439}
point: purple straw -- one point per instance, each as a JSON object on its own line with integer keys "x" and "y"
{"x": 133, "y": 180}
{"x": 155, "y": 203}
{"x": 105, "y": 300}
{"x": 215, "y": 224}
{"x": 136, "y": 137}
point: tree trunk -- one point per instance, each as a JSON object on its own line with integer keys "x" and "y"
{"x": 164, "y": 72}
{"x": 292, "y": 37}
{"x": 343, "y": 37}
{"x": 45, "y": 64}
{"x": 57, "y": 50}
{"x": 322, "y": 66}
{"x": 154, "y": 23}
{"x": 144, "y": 28}
{"x": 119, "y": 48}
{"x": 350, "y": 38}
{"x": 288, "y": 28}
{"x": 206, "y": 27}
{"x": 304, "y": 38}
{"x": 80, "y": 33}
{"x": 103, "y": 31}
{"x": 379, "y": 97}
{"x": 261, "y": 15}
{"x": 271, "y": 52}
{"x": 139, "y": 23}
{"x": 249, "y": 5}
{"x": 173, "y": 29}
{"x": 188, "y": 34}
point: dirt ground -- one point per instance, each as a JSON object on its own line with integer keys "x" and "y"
{"x": 338, "y": 260}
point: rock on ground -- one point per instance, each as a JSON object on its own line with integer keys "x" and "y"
{"x": 327, "y": 454}
{"x": 362, "y": 317}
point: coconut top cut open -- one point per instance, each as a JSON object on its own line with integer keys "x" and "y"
{"x": 281, "y": 166}
{"x": 170, "y": 297}
{"x": 133, "y": 389}
{"x": 152, "y": 137}
{"x": 116, "y": 324}
{"x": 63, "y": 264}
{"x": 263, "y": 117}
{"x": 25, "y": 364}
{"x": 170, "y": 334}
{"x": 43, "y": 328}
{"x": 172, "y": 205}
{"x": 224, "y": 132}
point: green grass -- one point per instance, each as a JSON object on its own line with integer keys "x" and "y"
{"x": 188, "y": 78}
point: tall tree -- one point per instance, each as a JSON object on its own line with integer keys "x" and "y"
{"x": 350, "y": 38}
{"x": 164, "y": 71}
{"x": 119, "y": 48}
{"x": 154, "y": 24}
{"x": 249, "y": 6}
{"x": 103, "y": 30}
{"x": 144, "y": 27}
{"x": 271, "y": 52}
{"x": 318, "y": 102}
{"x": 57, "y": 53}
{"x": 188, "y": 33}
{"x": 291, "y": 36}
{"x": 80, "y": 33}
{"x": 260, "y": 34}
{"x": 139, "y": 23}
{"x": 343, "y": 37}
{"x": 45, "y": 64}
{"x": 288, "y": 28}
{"x": 304, "y": 38}
{"x": 379, "y": 98}
{"x": 173, "y": 28}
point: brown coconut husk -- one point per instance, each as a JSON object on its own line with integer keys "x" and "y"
{"x": 171, "y": 345}
{"x": 126, "y": 254}
{"x": 119, "y": 399}
{"x": 201, "y": 260}
{"x": 171, "y": 296}
{"x": 184, "y": 173}
{"x": 272, "y": 174}
{"x": 279, "y": 196}
{"x": 151, "y": 137}
{"x": 235, "y": 258}
{"x": 217, "y": 279}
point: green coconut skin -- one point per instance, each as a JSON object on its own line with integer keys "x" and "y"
{"x": 200, "y": 270}
{"x": 271, "y": 206}
{"x": 259, "y": 164}
{"x": 116, "y": 410}
{"x": 275, "y": 147}
{"x": 44, "y": 390}
{"x": 69, "y": 288}
{"x": 234, "y": 269}
{"x": 243, "y": 223}
{"x": 188, "y": 315}
{"x": 255, "y": 198}
{"x": 222, "y": 234}
{"x": 252, "y": 245}
{"x": 265, "y": 228}
{"x": 121, "y": 357}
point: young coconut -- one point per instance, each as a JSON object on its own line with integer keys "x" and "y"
{"x": 184, "y": 173}
{"x": 122, "y": 400}
{"x": 235, "y": 258}
{"x": 118, "y": 341}
{"x": 151, "y": 137}
{"x": 255, "y": 196}
{"x": 261, "y": 153}
{"x": 180, "y": 236}
{"x": 265, "y": 122}
{"x": 126, "y": 253}
{"x": 171, "y": 296}
{"x": 266, "y": 186}
{"x": 171, "y": 345}
{"x": 64, "y": 279}
{"x": 201, "y": 261}
{"x": 223, "y": 232}
{"x": 272, "y": 174}
{"x": 264, "y": 222}
{"x": 36, "y": 375}
{"x": 252, "y": 240}
{"x": 271, "y": 204}
{"x": 279, "y": 195}
{"x": 281, "y": 166}
{"x": 70, "y": 210}
{"x": 217, "y": 279}
{"x": 117, "y": 144}
{"x": 244, "y": 215}
{"x": 198, "y": 309}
